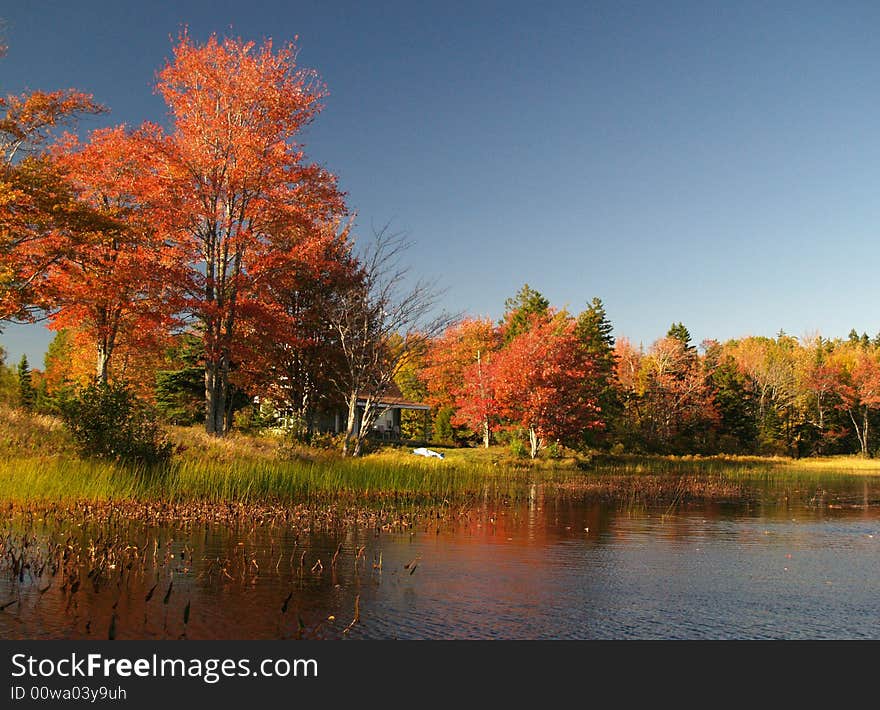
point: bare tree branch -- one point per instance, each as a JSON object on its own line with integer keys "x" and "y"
{"x": 380, "y": 321}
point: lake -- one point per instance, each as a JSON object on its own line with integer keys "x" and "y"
{"x": 801, "y": 560}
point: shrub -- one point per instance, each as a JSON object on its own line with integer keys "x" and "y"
{"x": 555, "y": 450}
{"x": 326, "y": 440}
{"x": 110, "y": 421}
{"x": 518, "y": 448}
{"x": 443, "y": 425}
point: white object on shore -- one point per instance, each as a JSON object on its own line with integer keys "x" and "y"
{"x": 422, "y": 451}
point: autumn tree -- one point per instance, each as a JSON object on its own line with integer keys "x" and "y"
{"x": 859, "y": 390}
{"x": 294, "y": 366}
{"x": 231, "y": 186}
{"x": 769, "y": 366}
{"x": 454, "y": 371}
{"x": 676, "y": 404}
{"x": 540, "y": 381}
{"x": 819, "y": 376}
{"x": 40, "y": 218}
{"x": 110, "y": 286}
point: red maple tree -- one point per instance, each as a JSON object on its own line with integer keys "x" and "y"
{"x": 232, "y": 190}
{"x": 541, "y": 383}
{"x": 110, "y": 286}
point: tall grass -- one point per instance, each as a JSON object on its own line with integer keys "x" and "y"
{"x": 37, "y": 463}
{"x": 30, "y": 479}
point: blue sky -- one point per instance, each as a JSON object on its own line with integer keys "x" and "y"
{"x": 711, "y": 163}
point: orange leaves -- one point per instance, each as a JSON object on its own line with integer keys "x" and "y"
{"x": 858, "y": 376}
{"x": 453, "y": 353}
{"x": 28, "y": 120}
{"x": 231, "y": 185}
{"x": 258, "y": 92}
{"x": 541, "y": 380}
{"x": 230, "y": 189}
{"x": 112, "y": 283}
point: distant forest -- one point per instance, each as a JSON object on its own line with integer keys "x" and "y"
{"x": 543, "y": 378}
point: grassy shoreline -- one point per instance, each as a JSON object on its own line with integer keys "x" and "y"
{"x": 38, "y": 463}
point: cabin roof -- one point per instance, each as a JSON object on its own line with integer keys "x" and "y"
{"x": 394, "y": 399}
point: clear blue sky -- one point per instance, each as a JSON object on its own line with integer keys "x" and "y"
{"x": 714, "y": 163}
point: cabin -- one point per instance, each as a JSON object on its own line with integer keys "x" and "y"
{"x": 386, "y": 425}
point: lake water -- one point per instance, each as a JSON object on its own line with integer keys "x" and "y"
{"x": 802, "y": 561}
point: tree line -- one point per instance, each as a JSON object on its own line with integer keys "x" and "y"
{"x": 552, "y": 377}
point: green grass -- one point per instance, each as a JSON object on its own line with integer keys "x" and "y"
{"x": 38, "y": 463}
{"x": 30, "y": 479}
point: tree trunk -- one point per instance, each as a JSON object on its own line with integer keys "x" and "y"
{"x": 862, "y": 434}
{"x": 102, "y": 364}
{"x": 367, "y": 419}
{"x": 216, "y": 391}
{"x": 486, "y": 435}
{"x": 350, "y": 424}
{"x": 535, "y": 442}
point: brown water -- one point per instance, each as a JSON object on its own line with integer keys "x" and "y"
{"x": 802, "y": 562}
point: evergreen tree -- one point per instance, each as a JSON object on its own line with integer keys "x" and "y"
{"x": 180, "y": 393}
{"x": 679, "y": 332}
{"x": 27, "y": 395}
{"x": 8, "y": 382}
{"x": 736, "y": 406}
{"x": 594, "y": 332}
{"x": 519, "y": 309}
{"x": 443, "y": 431}
{"x": 56, "y": 385}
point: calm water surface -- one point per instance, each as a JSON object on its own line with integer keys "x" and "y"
{"x": 801, "y": 562}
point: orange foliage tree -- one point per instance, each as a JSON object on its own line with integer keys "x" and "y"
{"x": 859, "y": 389}
{"x": 110, "y": 286}
{"x": 296, "y": 368}
{"x": 542, "y": 382}
{"x": 232, "y": 190}
{"x": 455, "y": 376}
{"x": 40, "y": 218}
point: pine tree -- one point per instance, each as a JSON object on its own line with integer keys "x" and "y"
{"x": 27, "y": 395}
{"x": 180, "y": 392}
{"x": 594, "y": 332}
{"x": 519, "y": 310}
{"x": 679, "y": 332}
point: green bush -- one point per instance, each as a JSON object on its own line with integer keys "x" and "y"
{"x": 518, "y": 448}
{"x": 555, "y": 450}
{"x": 109, "y": 421}
{"x": 443, "y": 425}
